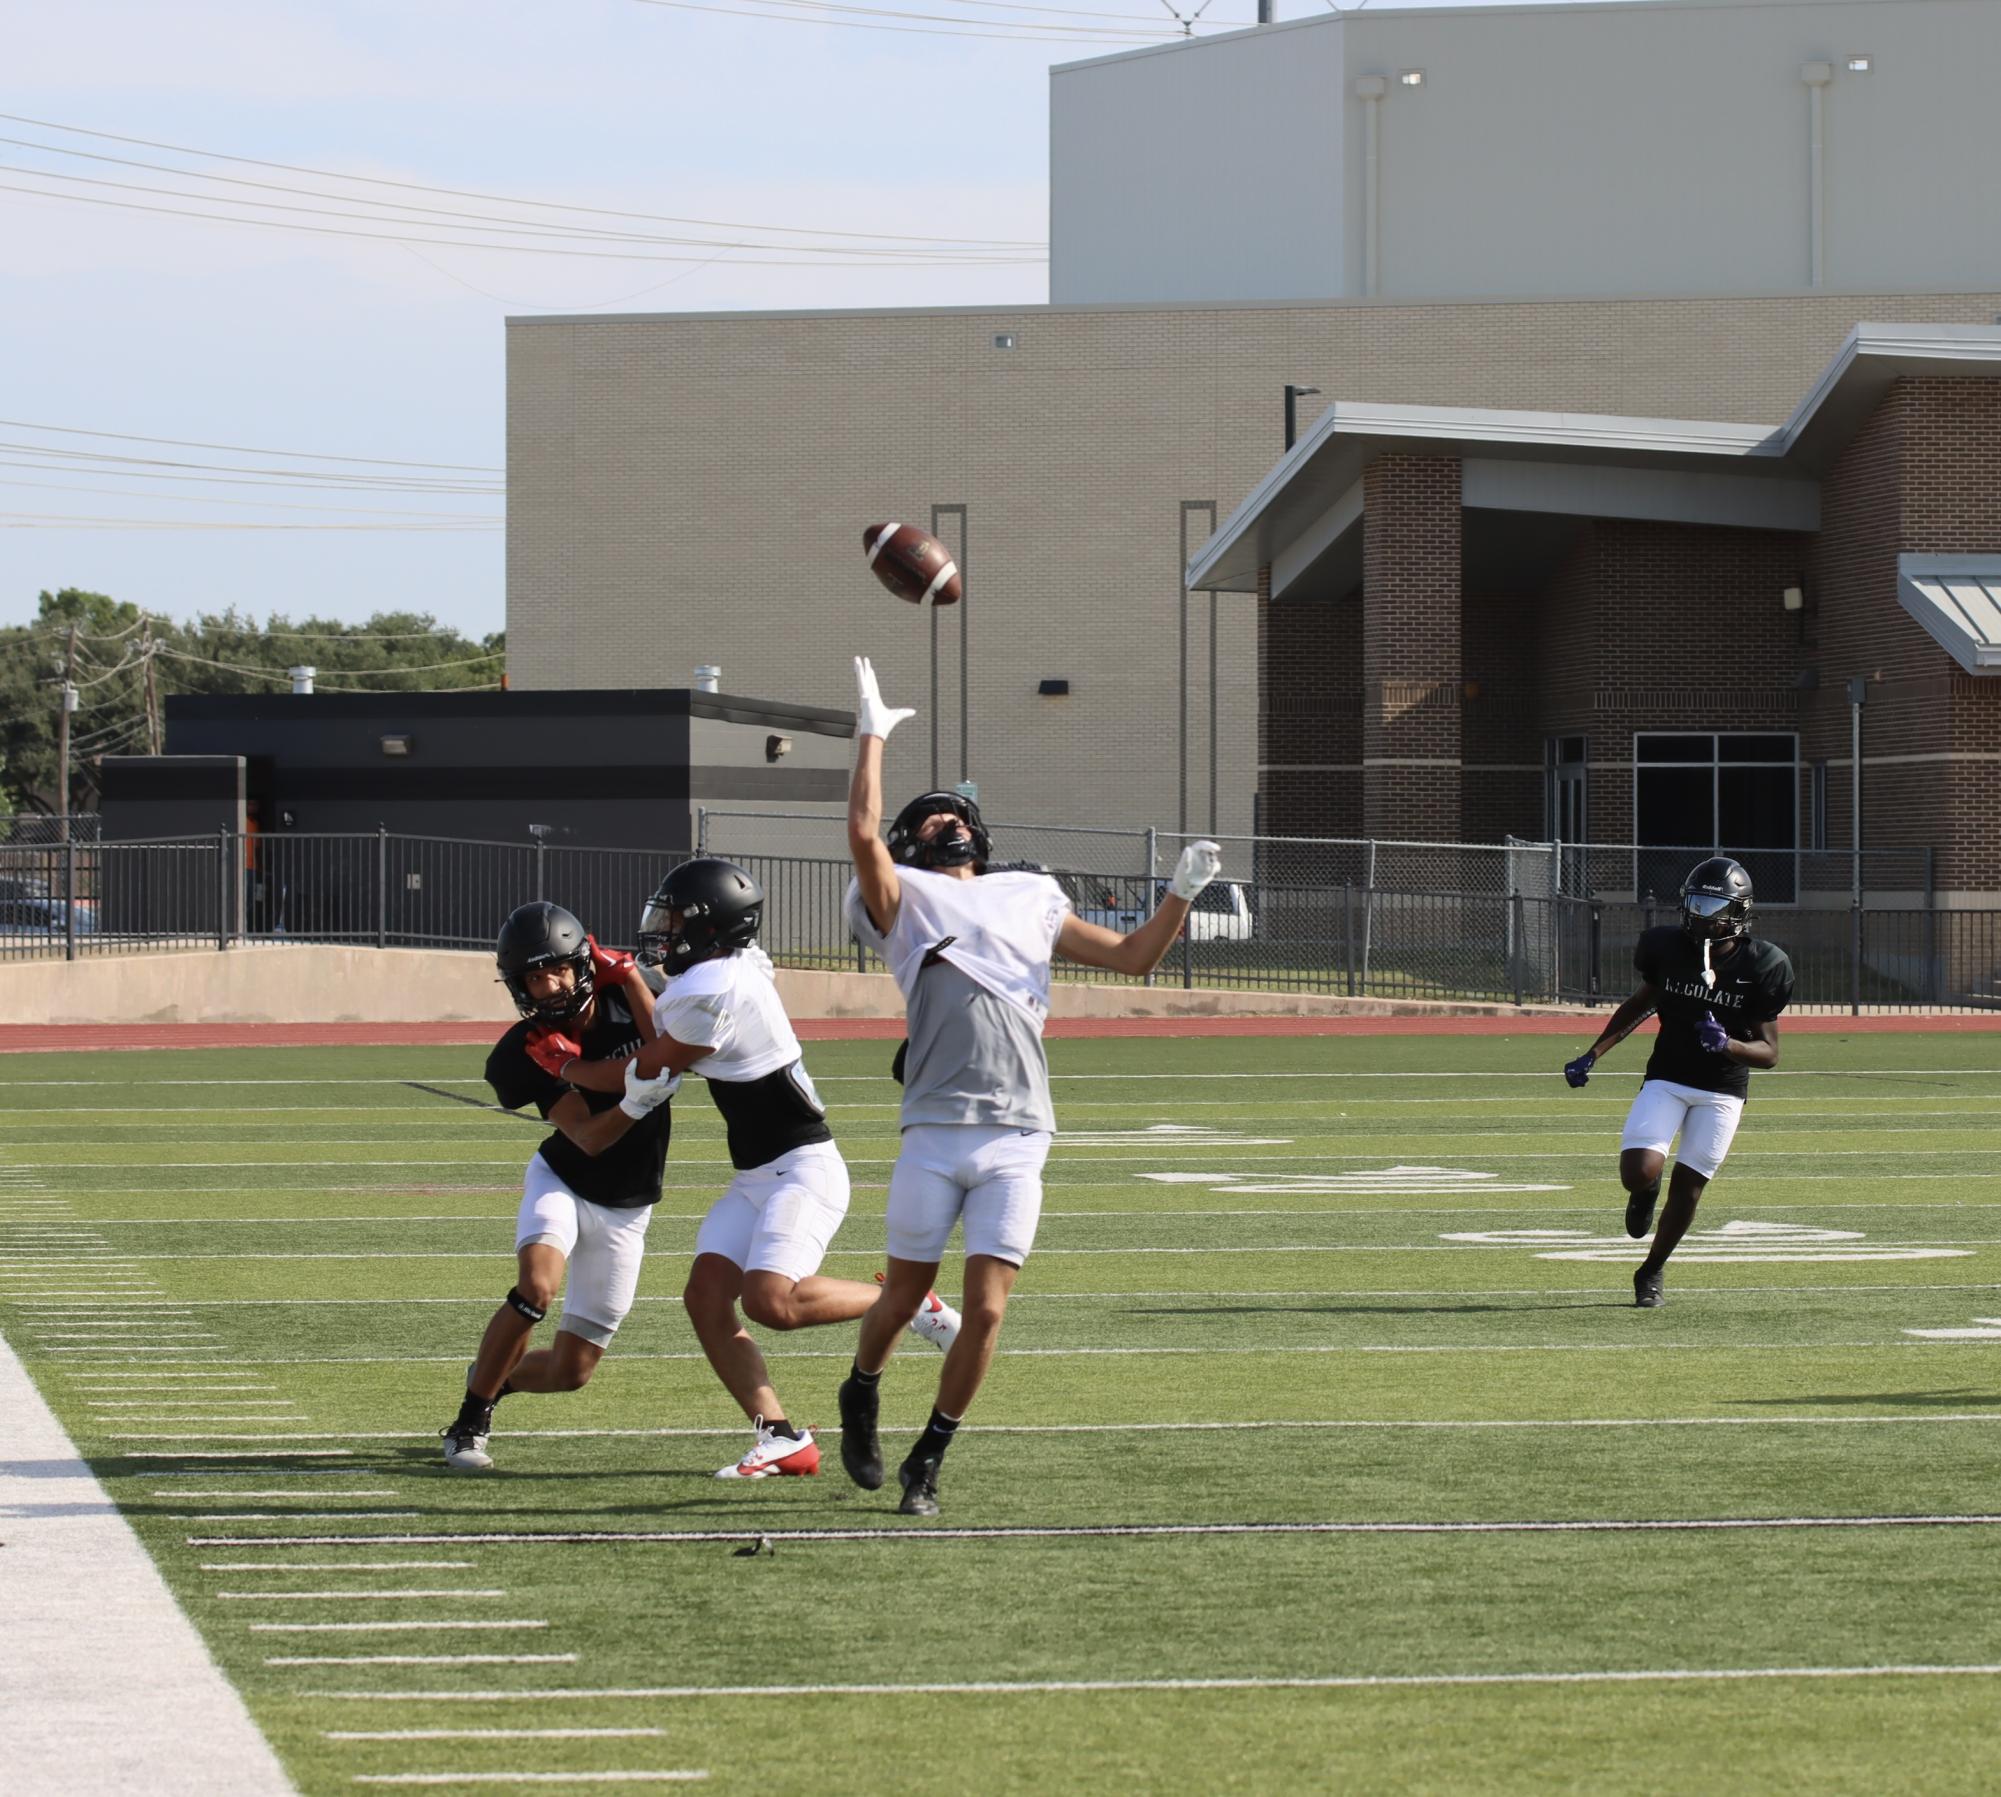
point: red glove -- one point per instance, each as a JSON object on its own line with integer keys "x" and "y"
{"x": 552, "y": 1051}
{"x": 610, "y": 965}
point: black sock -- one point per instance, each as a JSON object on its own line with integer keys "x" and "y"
{"x": 475, "y": 1416}
{"x": 779, "y": 1426}
{"x": 937, "y": 1437}
{"x": 869, "y": 1381}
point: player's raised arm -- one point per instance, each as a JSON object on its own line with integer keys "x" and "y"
{"x": 876, "y": 872}
{"x": 1139, "y": 952}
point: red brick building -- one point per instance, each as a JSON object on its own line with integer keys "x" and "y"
{"x": 1644, "y": 631}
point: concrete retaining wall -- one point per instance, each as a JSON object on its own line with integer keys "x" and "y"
{"x": 287, "y": 983}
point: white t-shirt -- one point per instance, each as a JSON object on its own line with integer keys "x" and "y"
{"x": 971, "y": 958}
{"x": 755, "y": 1075}
{"x": 730, "y": 1005}
{"x": 1002, "y": 931}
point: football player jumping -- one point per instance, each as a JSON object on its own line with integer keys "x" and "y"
{"x": 1719, "y": 991}
{"x": 971, "y": 953}
{"x": 590, "y": 1188}
{"x": 763, "y": 1239}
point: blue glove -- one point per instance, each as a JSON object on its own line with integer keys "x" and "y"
{"x": 1579, "y": 1070}
{"x": 1712, "y": 1035}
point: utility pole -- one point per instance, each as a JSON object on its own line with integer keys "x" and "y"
{"x": 68, "y": 706}
{"x": 153, "y": 732}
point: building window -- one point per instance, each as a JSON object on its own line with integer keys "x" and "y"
{"x": 1817, "y": 806}
{"x": 1707, "y": 793}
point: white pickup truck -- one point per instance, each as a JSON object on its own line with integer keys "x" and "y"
{"x": 1221, "y": 913}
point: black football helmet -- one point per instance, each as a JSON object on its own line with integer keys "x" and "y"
{"x": 721, "y": 908}
{"x": 1716, "y": 900}
{"x": 949, "y": 848}
{"x": 545, "y": 935}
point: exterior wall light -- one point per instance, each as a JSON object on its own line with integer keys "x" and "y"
{"x": 1053, "y": 689}
{"x": 1861, "y": 65}
{"x": 1003, "y": 340}
{"x": 398, "y": 745}
{"x": 1411, "y": 78}
{"x": 1795, "y": 599}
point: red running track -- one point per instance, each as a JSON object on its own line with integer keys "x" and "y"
{"x": 98, "y": 1038}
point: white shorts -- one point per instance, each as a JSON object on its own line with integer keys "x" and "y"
{"x": 993, "y": 1175}
{"x": 603, "y": 1246}
{"x": 1705, "y": 1122}
{"x": 779, "y": 1218}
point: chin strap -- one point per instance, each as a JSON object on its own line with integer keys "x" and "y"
{"x": 1708, "y": 972}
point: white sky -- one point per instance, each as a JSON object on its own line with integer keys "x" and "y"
{"x": 125, "y": 321}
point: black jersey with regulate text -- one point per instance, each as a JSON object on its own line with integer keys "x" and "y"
{"x": 1754, "y": 983}
{"x": 627, "y": 1175}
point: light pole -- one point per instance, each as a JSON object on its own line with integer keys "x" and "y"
{"x": 1292, "y": 398}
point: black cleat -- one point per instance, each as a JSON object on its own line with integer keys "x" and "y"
{"x": 1647, "y": 1288}
{"x": 861, "y": 1453}
{"x": 1640, "y": 1213}
{"x": 919, "y": 1479}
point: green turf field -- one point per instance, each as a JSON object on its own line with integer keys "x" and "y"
{"x": 1375, "y": 1290}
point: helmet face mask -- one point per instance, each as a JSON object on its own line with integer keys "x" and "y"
{"x": 1716, "y": 901}
{"x": 538, "y": 936}
{"x": 967, "y": 844}
{"x": 702, "y": 909}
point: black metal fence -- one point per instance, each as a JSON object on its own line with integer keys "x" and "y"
{"x": 1381, "y": 920}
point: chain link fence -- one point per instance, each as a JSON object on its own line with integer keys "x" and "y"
{"x": 1519, "y": 922}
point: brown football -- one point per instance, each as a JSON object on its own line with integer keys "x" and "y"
{"x": 913, "y": 564}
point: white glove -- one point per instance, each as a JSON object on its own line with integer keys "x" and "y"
{"x": 644, "y": 1096}
{"x": 872, "y": 716}
{"x": 1200, "y": 863}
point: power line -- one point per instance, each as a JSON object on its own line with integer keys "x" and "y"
{"x": 322, "y": 477}
{"x": 659, "y": 218}
{"x": 262, "y": 505}
{"x": 446, "y": 219}
{"x": 278, "y": 478}
{"x": 66, "y": 521}
{"x": 973, "y": 251}
{"x": 518, "y": 249}
{"x": 298, "y": 455}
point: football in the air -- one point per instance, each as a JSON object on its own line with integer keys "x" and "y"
{"x": 912, "y": 563}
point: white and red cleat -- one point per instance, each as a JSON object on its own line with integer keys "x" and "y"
{"x": 776, "y": 1455}
{"x": 935, "y": 1322}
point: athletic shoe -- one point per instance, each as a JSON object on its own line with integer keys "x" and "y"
{"x": 775, "y": 1454}
{"x": 861, "y": 1454}
{"x": 1647, "y": 1288}
{"x": 465, "y": 1449}
{"x": 1640, "y": 1213}
{"x": 937, "y": 1323}
{"x": 919, "y": 1479}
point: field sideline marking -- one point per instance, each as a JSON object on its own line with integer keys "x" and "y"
{"x": 1277, "y": 1682}
{"x": 681, "y": 1776}
{"x": 1065, "y": 1532}
{"x": 374, "y": 1628}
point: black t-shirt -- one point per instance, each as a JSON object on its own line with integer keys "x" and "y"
{"x": 627, "y": 1175}
{"x": 1754, "y": 983}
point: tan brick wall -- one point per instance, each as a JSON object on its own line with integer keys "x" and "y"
{"x": 688, "y": 489}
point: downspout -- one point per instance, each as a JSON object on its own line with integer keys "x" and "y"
{"x": 1369, "y": 89}
{"x": 1817, "y": 76}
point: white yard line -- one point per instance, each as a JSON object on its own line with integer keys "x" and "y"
{"x": 1081, "y": 1531}
{"x": 333, "y": 1565}
{"x": 65, "y": 1726}
{"x": 488, "y": 1734}
{"x": 530, "y": 1778}
{"x": 1276, "y": 1682}
{"x": 422, "y": 1659}
{"x": 348, "y": 1596}
{"x": 385, "y": 1627}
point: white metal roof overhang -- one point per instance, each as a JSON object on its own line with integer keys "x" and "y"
{"x": 1958, "y": 599}
{"x": 1301, "y": 515}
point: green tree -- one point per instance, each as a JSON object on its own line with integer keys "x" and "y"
{"x": 215, "y": 652}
